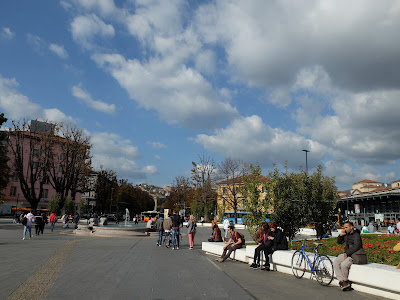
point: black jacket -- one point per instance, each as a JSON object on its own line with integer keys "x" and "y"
{"x": 176, "y": 220}
{"x": 353, "y": 242}
{"x": 279, "y": 242}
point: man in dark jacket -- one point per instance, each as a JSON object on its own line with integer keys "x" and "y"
{"x": 276, "y": 240}
{"x": 353, "y": 253}
{"x": 160, "y": 229}
{"x": 176, "y": 221}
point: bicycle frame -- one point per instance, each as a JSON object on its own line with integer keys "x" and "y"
{"x": 315, "y": 260}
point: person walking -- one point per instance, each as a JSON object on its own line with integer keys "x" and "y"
{"x": 226, "y": 225}
{"x": 176, "y": 220}
{"x": 353, "y": 253}
{"x": 30, "y": 219}
{"x": 44, "y": 222}
{"x": 38, "y": 223}
{"x": 52, "y": 219}
{"x": 191, "y": 225}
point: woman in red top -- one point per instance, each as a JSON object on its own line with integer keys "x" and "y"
{"x": 235, "y": 242}
{"x": 262, "y": 245}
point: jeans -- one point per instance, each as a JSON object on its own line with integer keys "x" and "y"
{"x": 29, "y": 228}
{"x": 226, "y": 233}
{"x": 52, "y": 225}
{"x": 167, "y": 233}
{"x": 175, "y": 233}
{"x": 228, "y": 250}
{"x": 160, "y": 234}
{"x": 257, "y": 253}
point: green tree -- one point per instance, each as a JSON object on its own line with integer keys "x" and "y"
{"x": 251, "y": 192}
{"x": 69, "y": 206}
{"x": 54, "y": 205}
{"x": 4, "y": 168}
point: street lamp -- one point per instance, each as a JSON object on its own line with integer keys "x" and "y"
{"x": 112, "y": 189}
{"x": 306, "y": 151}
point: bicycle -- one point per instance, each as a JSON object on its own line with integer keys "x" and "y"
{"x": 321, "y": 266}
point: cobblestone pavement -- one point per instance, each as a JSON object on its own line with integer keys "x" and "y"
{"x": 60, "y": 265}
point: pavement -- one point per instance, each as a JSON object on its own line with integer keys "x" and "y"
{"x": 61, "y": 265}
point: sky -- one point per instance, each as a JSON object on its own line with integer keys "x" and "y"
{"x": 155, "y": 84}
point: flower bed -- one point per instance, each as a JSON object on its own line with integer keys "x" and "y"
{"x": 379, "y": 248}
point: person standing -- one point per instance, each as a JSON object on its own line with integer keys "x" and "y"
{"x": 167, "y": 225}
{"x": 76, "y": 219}
{"x": 226, "y": 226}
{"x": 30, "y": 219}
{"x": 44, "y": 222}
{"x": 159, "y": 227}
{"x": 176, "y": 220}
{"x": 398, "y": 226}
{"x": 353, "y": 253}
{"x": 52, "y": 219}
{"x": 191, "y": 225}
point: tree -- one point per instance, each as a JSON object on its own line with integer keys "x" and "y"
{"x": 69, "y": 161}
{"x": 30, "y": 152}
{"x": 69, "y": 206}
{"x": 251, "y": 192}
{"x": 4, "y": 168}
{"x": 54, "y": 205}
{"x": 321, "y": 202}
{"x": 106, "y": 181}
{"x": 232, "y": 170}
{"x": 203, "y": 175}
{"x": 299, "y": 199}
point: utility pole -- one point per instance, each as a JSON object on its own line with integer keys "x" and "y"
{"x": 306, "y": 151}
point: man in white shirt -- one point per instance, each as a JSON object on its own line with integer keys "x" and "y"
{"x": 226, "y": 226}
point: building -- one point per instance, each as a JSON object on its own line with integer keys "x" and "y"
{"x": 227, "y": 189}
{"x": 13, "y": 195}
{"x": 89, "y": 196}
{"x": 365, "y": 205}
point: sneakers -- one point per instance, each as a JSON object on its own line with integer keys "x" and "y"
{"x": 253, "y": 265}
{"x": 158, "y": 244}
{"x": 266, "y": 268}
{"x": 190, "y": 248}
{"x": 219, "y": 259}
{"x": 345, "y": 286}
{"x": 23, "y": 238}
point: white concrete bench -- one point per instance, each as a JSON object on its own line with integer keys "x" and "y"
{"x": 376, "y": 279}
{"x": 217, "y": 248}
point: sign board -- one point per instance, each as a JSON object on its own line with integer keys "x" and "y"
{"x": 379, "y": 217}
{"x": 357, "y": 208}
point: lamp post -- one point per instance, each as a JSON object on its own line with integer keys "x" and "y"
{"x": 112, "y": 189}
{"x": 306, "y": 151}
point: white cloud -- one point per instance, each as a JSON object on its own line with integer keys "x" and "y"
{"x": 79, "y": 93}
{"x": 248, "y": 138}
{"x": 86, "y": 28}
{"x": 103, "y": 7}
{"x": 157, "y": 145}
{"x": 112, "y": 151}
{"x": 59, "y": 50}
{"x": 6, "y": 33}
{"x": 179, "y": 95}
{"x": 17, "y": 106}
{"x": 36, "y": 42}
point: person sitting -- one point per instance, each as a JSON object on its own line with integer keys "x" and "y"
{"x": 235, "y": 242}
{"x": 216, "y": 236}
{"x": 353, "y": 253}
{"x": 262, "y": 239}
{"x": 276, "y": 240}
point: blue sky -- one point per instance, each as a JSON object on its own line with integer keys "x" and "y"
{"x": 158, "y": 83}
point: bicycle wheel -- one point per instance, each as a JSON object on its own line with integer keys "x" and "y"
{"x": 298, "y": 264}
{"x": 324, "y": 270}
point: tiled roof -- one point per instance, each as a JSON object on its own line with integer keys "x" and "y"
{"x": 381, "y": 188}
{"x": 367, "y": 181}
{"x": 239, "y": 180}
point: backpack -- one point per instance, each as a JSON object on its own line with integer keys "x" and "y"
{"x": 24, "y": 221}
{"x": 242, "y": 238}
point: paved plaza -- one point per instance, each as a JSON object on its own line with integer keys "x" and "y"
{"x": 61, "y": 265}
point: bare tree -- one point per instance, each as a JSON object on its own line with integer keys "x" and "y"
{"x": 29, "y": 151}
{"x": 4, "y": 167}
{"x": 70, "y": 161}
{"x": 232, "y": 170}
{"x": 203, "y": 174}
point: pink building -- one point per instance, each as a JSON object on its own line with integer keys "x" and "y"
{"x": 12, "y": 194}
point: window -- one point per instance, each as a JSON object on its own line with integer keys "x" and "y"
{"x": 224, "y": 190}
{"x": 45, "y": 193}
{"x": 13, "y": 191}
{"x": 62, "y": 156}
{"x": 35, "y": 152}
{"x": 46, "y": 180}
{"x": 35, "y": 165}
{"x": 60, "y": 168}
{"x": 264, "y": 190}
{"x": 15, "y": 177}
